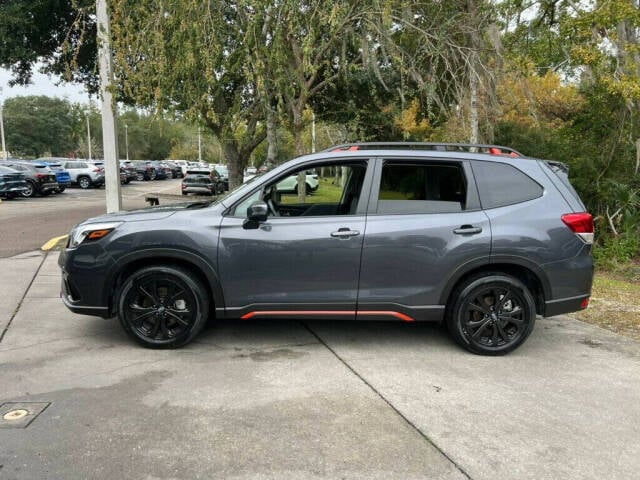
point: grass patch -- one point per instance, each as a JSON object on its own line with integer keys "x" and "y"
{"x": 614, "y": 305}
{"x": 327, "y": 192}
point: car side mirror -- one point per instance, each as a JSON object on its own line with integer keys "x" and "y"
{"x": 256, "y": 212}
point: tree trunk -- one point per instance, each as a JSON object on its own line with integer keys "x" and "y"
{"x": 235, "y": 164}
{"x": 473, "y": 107}
{"x": 272, "y": 148}
{"x": 300, "y": 150}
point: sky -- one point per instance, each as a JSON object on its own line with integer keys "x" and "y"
{"x": 42, "y": 85}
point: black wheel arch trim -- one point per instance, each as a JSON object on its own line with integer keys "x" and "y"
{"x": 493, "y": 261}
{"x": 195, "y": 260}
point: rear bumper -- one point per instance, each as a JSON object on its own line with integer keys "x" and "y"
{"x": 198, "y": 190}
{"x": 564, "y": 305}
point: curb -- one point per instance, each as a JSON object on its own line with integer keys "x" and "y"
{"x": 54, "y": 242}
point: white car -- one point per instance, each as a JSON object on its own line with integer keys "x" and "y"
{"x": 290, "y": 184}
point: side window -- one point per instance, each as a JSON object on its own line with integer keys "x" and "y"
{"x": 331, "y": 189}
{"x": 501, "y": 184}
{"x": 240, "y": 209}
{"x": 407, "y": 188}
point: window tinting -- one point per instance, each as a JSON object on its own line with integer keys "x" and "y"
{"x": 502, "y": 184}
{"x": 421, "y": 188}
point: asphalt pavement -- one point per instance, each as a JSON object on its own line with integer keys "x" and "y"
{"x": 27, "y": 223}
{"x": 305, "y": 400}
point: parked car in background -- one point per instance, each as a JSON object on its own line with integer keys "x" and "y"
{"x": 40, "y": 179}
{"x": 62, "y": 176}
{"x": 202, "y": 182}
{"x": 183, "y": 164}
{"x": 129, "y": 170}
{"x": 290, "y": 184}
{"x": 224, "y": 175}
{"x": 162, "y": 172}
{"x": 144, "y": 171}
{"x": 12, "y": 182}
{"x": 84, "y": 173}
{"x": 176, "y": 170}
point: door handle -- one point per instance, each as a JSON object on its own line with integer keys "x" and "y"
{"x": 467, "y": 230}
{"x": 345, "y": 233}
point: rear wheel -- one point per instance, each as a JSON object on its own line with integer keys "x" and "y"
{"x": 163, "y": 306}
{"x": 491, "y": 314}
{"x": 139, "y": 176}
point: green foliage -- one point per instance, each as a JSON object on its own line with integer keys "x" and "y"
{"x": 611, "y": 252}
{"x": 61, "y": 34}
{"x": 39, "y": 125}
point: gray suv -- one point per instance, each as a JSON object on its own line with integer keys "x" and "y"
{"x": 476, "y": 236}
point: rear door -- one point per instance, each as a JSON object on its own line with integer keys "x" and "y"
{"x": 424, "y": 224}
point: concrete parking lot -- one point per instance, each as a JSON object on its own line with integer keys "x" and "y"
{"x": 299, "y": 400}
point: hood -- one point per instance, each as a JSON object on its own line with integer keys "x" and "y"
{"x": 150, "y": 213}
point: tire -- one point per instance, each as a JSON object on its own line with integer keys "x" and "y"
{"x": 482, "y": 327}
{"x": 30, "y": 192}
{"x": 309, "y": 189}
{"x": 163, "y": 306}
{"x": 153, "y": 175}
{"x": 84, "y": 182}
{"x": 139, "y": 176}
{"x": 61, "y": 189}
{"x": 184, "y": 193}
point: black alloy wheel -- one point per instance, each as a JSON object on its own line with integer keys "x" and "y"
{"x": 139, "y": 176}
{"x": 163, "y": 306}
{"x": 492, "y": 314}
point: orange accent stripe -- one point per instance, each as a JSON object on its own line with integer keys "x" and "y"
{"x": 398, "y": 315}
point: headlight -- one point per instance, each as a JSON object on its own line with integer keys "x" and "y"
{"x": 91, "y": 232}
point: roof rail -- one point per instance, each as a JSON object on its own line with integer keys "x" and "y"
{"x": 442, "y": 147}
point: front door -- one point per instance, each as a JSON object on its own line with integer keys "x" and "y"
{"x": 304, "y": 261}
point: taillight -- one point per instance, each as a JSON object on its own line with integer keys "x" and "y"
{"x": 42, "y": 176}
{"x": 581, "y": 224}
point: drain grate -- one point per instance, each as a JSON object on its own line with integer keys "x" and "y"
{"x": 20, "y": 414}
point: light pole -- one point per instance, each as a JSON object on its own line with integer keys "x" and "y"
{"x": 89, "y": 133}
{"x": 4, "y": 146}
{"x": 199, "y": 146}
{"x": 126, "y": 139}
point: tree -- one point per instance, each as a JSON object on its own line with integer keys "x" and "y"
{"x": 37, "y": 125}
{"x": 192, "y": 59}
{"x": 60, "y": 34}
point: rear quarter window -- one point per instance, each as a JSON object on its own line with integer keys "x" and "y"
{"x": 501, "y": 184}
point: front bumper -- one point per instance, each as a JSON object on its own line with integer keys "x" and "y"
{"x": 80, "y": 290}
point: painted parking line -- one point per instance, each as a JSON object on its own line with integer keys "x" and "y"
{"x": 55, "y": 241}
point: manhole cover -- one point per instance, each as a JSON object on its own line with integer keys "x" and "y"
{"x": 15, "y": 414}
{"x": 20, "y": 414}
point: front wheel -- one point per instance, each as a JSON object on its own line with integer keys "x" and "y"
{"x": 491, "y": 314}
{"x": 84, "y": 182}
{"x": 30, "y": 191}
{"x": 163, "y": 306}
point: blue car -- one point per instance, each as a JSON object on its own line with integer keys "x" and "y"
{"x": 62, "y": 176}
